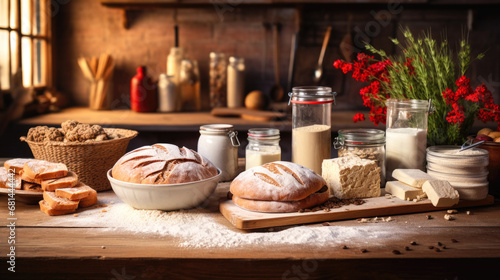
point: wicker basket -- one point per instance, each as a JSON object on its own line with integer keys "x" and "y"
{"x": 90, "y": 161}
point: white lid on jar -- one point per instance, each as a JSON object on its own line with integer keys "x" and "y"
{"x": 222, "y": 129}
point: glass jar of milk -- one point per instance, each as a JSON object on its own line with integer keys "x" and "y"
{"x": 263, "y": 147}
{"x": 311, "y": 125}
{"x": 406, "y": 134}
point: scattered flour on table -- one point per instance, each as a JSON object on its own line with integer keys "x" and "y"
{"x": 200, "y": 228}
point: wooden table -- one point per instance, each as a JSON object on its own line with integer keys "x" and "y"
{"x": 47, "y": 250}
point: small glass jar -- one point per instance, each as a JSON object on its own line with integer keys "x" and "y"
{"x": 218, "y": 88}
{"x": 311, "y": 125}
{"x": 263, "y": 147}
{"x": 219, "y": 144}
{"x": 235, "y": 82}
{"x": 189, "y": 83}
{"x": 363, "y": 143}
{"x": 167, "y": 94}
{"x": 406, "y": 134}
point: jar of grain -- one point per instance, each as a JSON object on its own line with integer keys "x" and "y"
{"x": 363, "y": 143}
{"x": 218, "y": 88}
{"x": 311, "y": 125}
{"x": 467, "y": 171}
{"x": 189, "y": 83}
{"x": 263, "y": 147}
{"x": 219, "y": 144}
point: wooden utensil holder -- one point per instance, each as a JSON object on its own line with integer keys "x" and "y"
{"x": 100, "y": 95}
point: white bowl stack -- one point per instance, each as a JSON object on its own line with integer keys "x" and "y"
{"x": 467, "y": 171}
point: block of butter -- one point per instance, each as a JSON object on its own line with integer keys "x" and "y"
{"x": 403, "y": 191}
{"x": 413, "y": 177}
{"x": 441, "y": 193}
{"x": 352, "y": 177}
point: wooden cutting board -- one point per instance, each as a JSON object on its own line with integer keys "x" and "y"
{"x": 247, "y": 114}
{"x": 374, "y": 207}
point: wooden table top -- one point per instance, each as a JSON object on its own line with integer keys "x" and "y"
{"x": 87, "y": 247}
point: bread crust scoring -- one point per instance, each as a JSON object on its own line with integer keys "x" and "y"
{"x": 277, "y": 181}
{"x": 163, "y": 164}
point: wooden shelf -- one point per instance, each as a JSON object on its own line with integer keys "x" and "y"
{"x": 189, "y": 121}
{"x": 128, "y": 5}
{"x": 185, "y": 121}
{"x": 172, "y": 3}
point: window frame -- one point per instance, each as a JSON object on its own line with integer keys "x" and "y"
{"x": 47, "y": 37}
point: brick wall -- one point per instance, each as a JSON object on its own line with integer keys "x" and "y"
{"x": 85, "y": 28}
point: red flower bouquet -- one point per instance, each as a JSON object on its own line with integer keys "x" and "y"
{"x": 424, "y": 70}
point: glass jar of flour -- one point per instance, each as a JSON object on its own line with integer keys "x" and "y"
{"x": 363, "y": 143}
{"x": 311, "y": 125}
{"x": 263, "y": 147}
{"x": 219, "y": 144}
{"x": 406, "y": 134}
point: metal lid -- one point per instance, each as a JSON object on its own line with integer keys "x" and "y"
{"x": 263, "y": 134}
{"x": 362, "y": 136}
{"x": 312, "y": 95}
{"x": 359, "y": 136}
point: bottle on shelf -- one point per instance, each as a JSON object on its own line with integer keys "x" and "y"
{"x": 143, "y": 95}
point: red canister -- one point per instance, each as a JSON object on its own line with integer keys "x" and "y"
{"x": 143, "y": 96}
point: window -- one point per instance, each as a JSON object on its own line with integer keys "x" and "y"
{"x": 24, "y": 42}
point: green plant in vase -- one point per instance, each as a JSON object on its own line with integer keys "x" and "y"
{"x": 425, "y": 69}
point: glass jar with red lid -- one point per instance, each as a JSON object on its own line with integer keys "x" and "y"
{"x": 311, "y": 125}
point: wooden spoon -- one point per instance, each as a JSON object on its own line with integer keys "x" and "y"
{"x": 318, "y": 73}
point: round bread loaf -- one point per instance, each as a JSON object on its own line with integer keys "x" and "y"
{"x": 277, "y": 181}
{"x": 163, "y": 164}
{"x": 283, "y": 206}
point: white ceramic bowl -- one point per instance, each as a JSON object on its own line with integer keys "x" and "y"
{"x": 164, "y": 196}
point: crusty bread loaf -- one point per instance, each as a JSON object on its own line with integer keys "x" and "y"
{"x": 42, "y": 170}
{"x": 90, "y": 200}
{"x": 283, "y": 206}
{"x": 68, "y": 181}
{"x": 25, "y": 178}
{"x": 59, "y": 203}
{"x": 5, "y": 179}
{"x": 80, "y": 191}
{"x": 17, "y": 164}
{"x": 27, "y": 186}
{"x": 45, "y": 208}
{"x": 163, "y": 164}
{"x": 277, "y": 181}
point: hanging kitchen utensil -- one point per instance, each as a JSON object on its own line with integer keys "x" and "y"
{"x": 277, "y": 91}
{"x": 293, "y": 50}
{"x": 318, "y": 73}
